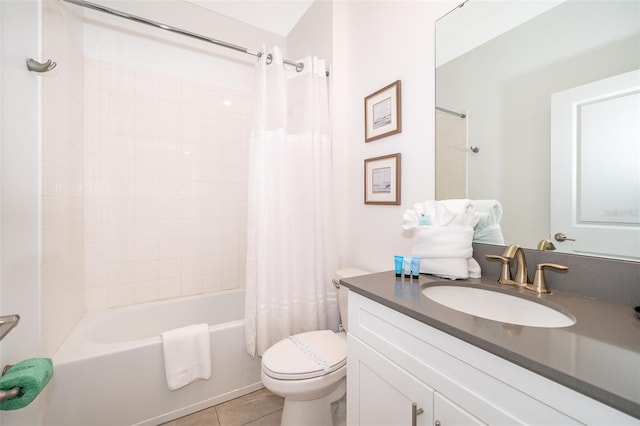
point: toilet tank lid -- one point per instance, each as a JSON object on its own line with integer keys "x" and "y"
{"x": 350, "y": 272}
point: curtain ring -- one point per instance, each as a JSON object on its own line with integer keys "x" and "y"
{"x": 269, "y": 58}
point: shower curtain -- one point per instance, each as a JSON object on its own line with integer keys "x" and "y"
{"x": 291, "y": 253}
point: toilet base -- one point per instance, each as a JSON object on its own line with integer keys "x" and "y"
{"x": 315, "y": 412}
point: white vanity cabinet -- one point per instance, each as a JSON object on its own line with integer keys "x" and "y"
{"x": 446, "y": 413}
{"x": 386, "y": 392}
{"x": 394, "y": 361}
{"x": 389, "y": 395}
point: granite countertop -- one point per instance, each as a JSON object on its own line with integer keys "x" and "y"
{"x": 598, "y": 356}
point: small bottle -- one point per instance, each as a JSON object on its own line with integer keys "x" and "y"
{"x": 407, "y": 266}
{"x": 398, "y": 260}
{"x": 415, "y": 267}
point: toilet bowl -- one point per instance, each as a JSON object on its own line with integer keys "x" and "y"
{"x": 309, "y": 369}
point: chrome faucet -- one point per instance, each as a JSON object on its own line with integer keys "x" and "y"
{"x": 539, "y": 284}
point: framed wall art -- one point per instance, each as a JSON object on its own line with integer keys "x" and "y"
{"x": 382, "y": 180}
{"x": 383, "y": 112}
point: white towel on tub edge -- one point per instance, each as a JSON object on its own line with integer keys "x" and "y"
{"x": 187, "y": 355}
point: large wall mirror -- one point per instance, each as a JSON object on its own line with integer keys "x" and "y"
{"x": 538, "y": 107}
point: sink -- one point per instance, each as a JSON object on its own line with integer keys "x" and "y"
{"x": 498, "y": 306}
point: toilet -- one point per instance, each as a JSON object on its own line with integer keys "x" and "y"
{"x": 309, "y": 369}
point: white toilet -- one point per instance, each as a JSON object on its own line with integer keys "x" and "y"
{"x": 309, "y": 369}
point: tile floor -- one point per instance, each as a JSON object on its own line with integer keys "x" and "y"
{"x": 260, "y": 408}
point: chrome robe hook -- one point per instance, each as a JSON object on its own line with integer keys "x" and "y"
{"x": 33, "y": 65}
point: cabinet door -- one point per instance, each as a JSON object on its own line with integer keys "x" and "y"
{"x": 380, "y": 393}
{"x": 446, "y": 413}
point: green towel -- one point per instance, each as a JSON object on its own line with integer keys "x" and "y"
{"x": 32, "y": 375}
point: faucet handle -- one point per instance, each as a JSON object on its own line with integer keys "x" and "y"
{"x": 539, "y": 284}
{"x": 505, "y": 274}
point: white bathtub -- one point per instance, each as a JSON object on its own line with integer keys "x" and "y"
{"x": 110, "y": 371}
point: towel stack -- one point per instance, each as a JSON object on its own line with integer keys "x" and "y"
{"x": 487, "y": 229}
{"x": 442, "y": 237}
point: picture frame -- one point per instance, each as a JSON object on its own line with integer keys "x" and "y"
{"x": 382, "y": 180}
{"x": 383, "y": 112}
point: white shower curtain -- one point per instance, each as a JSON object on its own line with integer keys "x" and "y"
{"x": 291, "y": 254}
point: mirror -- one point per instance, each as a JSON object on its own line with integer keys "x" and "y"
{"x": 499, "y": 65}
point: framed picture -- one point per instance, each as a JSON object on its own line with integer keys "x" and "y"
{"x": 382, "y": 180}
{"x": 383, "y": 113}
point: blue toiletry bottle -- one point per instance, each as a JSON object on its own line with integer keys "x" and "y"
{"x": 398, "y": 261}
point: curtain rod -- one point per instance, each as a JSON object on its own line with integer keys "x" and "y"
{"x": 299, "y": 65}
{"x": 448, "y": 111}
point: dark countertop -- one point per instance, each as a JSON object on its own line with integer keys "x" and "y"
{"x": 598, "y": 356}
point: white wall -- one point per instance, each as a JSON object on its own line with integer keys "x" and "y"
{"x": 376, "y": 43}
{"x": 312, "y": 35}
{"x": 20, "y": 177}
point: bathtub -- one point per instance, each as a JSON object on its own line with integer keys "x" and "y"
{"x": 110, "y": 370}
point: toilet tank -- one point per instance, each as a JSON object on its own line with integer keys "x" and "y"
{"x": 343, "y": 291}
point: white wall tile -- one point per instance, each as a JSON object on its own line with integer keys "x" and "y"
{"x": 97, "y": 276}
{"x": 97, "y": 298}
{"x": 170, "y": 268}
{"x": 146, "y": 291}
{"x": 169, "y": 248}
{"x": 121, "y": 273}
{"x": 168, "y": 288}
{"x": 190, "y": 285}
{"x": 163, "y": 154}
{"x": 121, "y": 295}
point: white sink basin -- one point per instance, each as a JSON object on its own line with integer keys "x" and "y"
{"x": 497, "y": 306}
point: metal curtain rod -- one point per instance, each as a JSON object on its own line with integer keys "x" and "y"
{"x": 448, "y": 111}
{"x": 299, "y": 65}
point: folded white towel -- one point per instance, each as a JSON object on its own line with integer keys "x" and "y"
{"x": 445, "y": 251}
{"x": 443, "y": 242}
{"x": 442, "y": 237}
{"x": 474, "y": 268}
{"x": 187, "y": 355}
{"x": 453, "y": 268}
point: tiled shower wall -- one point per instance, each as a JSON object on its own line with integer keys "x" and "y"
{"x": 62, "y": 177}
{"x": 166, "y": 185}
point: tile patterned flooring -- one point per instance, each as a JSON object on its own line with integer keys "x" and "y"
{"x": 259, "y": 408}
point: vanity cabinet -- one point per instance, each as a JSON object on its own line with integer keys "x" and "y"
{"x": 389, "y": 395}
{"x": 394, "y": 361}
{"x": 446, "y": 413}
{"x": 386, "y": 392}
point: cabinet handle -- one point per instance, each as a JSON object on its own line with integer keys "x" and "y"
{"x": 414, "y": 413}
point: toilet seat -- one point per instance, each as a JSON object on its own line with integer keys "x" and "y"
{"x": 306, "y": 355}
